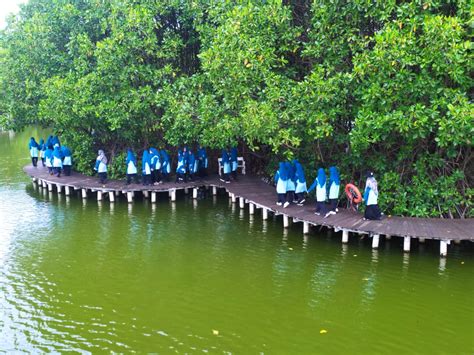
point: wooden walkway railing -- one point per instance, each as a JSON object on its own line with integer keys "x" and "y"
{"x": 259, "y": 195}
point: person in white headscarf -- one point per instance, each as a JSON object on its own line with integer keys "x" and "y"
{"x": 371, "y": 194}
{"x": 101, "y": 166}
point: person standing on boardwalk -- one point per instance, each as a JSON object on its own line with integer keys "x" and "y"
{"x": 101, "y": 166}
{"x": 131, "y": 162}
{"x": 291, "y": 182}
{"x": 371, "y": 194}
{"x": 226, "y": 166}
{"x": 281, "y": 181}
{"x": 33, "y": 147}
{"x": 320, "y": 185}
{"x": 57, "y": 161}
{"x": 67, "y": 160}
{"x": 146, "y": 167}
{"x": 202, "y": 161}
{"x": 42, "y": 149}
{"x": 234, "y": 162}
{"x": 301, "y": 187}
{"x": 334, "y": 186}
{"x": 48, "y": 157}
{"x": 155, "y": 163}
{"x": 165, "y": 165}
{"x": 191, "y": 162}
{"x": 181, "y": 167}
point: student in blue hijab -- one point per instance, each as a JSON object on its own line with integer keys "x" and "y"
{"x": 55, "y": 142}
{"x": 234, "y": 162}
{"x": 34, "y": 151}
{"x": 57, "y": 161}
{"x": 225, "y": 166}
{"x": 67, "y": 160}
{"x": 131, "y": 162}
{"x": 334, "y": 187}
{"x": 155, "y": 163}
{"x": 165, "y": 165}
{"x": 48, "y": 156}
{"x": 101, "y": 166}
{"x": 191, "y": 162}
{"x": 146, "y": 167}
{"x": 291, "y": 182}
{"x": 202, "y": 161}
{"x": 181, "y": 167}
{"x": 42, "y": 149}
{"x": 301, "y": 187}
{"x": 281, "y": 181}
{"x": 320, "y": 185}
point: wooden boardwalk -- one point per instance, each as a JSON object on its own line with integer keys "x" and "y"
{"x": 258, "y": 195}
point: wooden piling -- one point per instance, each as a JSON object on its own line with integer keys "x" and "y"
{"x": 172, "y": 194}
{"x": 67, "y": 190}
{"x": 286, "y": 221}
{"x": 129, "y": 196}
{"x": 241, "y": 202}
{"x": 264, "y": 213}
{"x": 111, "y": 196}
{"x": 84, "y": 193}
{"x": 406, "y": 244}
{"x": 305, "y": 228}
{"x": 153, "y": 197}
{"x": 195, "y": 192}
{"x": 214, "y": 191}
{"x": 443, "y": 247}
{"x": 375, "y": 241}
{"x": 251, "y": 208}
{"x": 99, "y": 195}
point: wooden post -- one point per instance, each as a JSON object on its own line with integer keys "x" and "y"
{"x": 43, "y": 183}
{"x": 286, "y": 221}
{"x": 67, "y": 190}
{"x": 443, "y": 247}
{"x": 375, "y": 241}
{"x": 233, "y": 198}
{"x": 457, "y": 241}
{"x": 172, "y": 194}
{"x": 345, "y": 236}
{"x": 406, "y": 244}
{"x": 264, "y": 213}
{"x": 145, "y": 193}
{"x": 153, "y": 197}
{"x": 305, "y": 228}
{"x": 99, "y": 195}
{"x": 195, "y": 192}
{"x": 186, "y": 190}
{"x": 84, "y": 193}
{"x": 59, "y": 188}
{"x": 111, "y": 196}
{"x": 251, "y": 208}
{"x": 130, "y": 196}
{"x": 241, "y": 202}
{"x": 388, "y": 237}
{"x": 421, "y": 240}
{"x": 50, "y": 187}
{"x": 214, "y": 191}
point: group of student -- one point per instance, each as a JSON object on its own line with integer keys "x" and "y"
{"x": 291, "y": 188}
{"x": 230, "y": 164}
{"x": 156, "y": 166}
{"x": 55, "y": 157}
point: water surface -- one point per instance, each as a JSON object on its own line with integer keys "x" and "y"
{"x": 194, "y": 277}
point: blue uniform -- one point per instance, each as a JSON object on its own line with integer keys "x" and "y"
{"x": 320, "y": 185}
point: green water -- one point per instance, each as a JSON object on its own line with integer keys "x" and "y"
{"x": 204, "y": 277}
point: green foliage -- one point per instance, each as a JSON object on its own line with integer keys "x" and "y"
{"x": 379, "y": 85}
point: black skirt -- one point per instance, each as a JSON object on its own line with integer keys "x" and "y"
{"x": 372, "y": 212}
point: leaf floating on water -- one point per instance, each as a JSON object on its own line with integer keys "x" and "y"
{"x": 365, "y": 279}
{"x": 462, "y": 262}
{"x": 355, "y": 254}
{"x": 215, "y": 332}
{"x": 323, "y": 331}
{"x": 290, "y": 248}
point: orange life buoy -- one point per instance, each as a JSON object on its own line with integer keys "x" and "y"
{"x": 353, "y": 193}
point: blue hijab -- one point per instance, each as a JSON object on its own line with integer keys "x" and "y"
{"x": 49, "y": 141}
{"x": 201, "y": 153}
{"x": 66, "y": 151}
{"x": 334, "y": 176}
{"x": 291, "y": 170}
{"x": 233, "y": 154}
{"x": 57, "y": 153}
{"x": 131, "y": 157}
{"x": 283, "y": 171}
{"x": 164, "y": 156}
{"x": 321, "y": 177}
{"x": 191, "y": 159}
{"x": 33, "y": 143}
{"x": 146, "y": 159}
{"x": 225, "y": 156}
{"x": 299, "y": 171}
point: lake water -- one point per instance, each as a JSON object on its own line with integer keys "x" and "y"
{"x": 205, "y": 277}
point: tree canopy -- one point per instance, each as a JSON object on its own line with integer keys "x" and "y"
{"x": 380, "y": 85}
